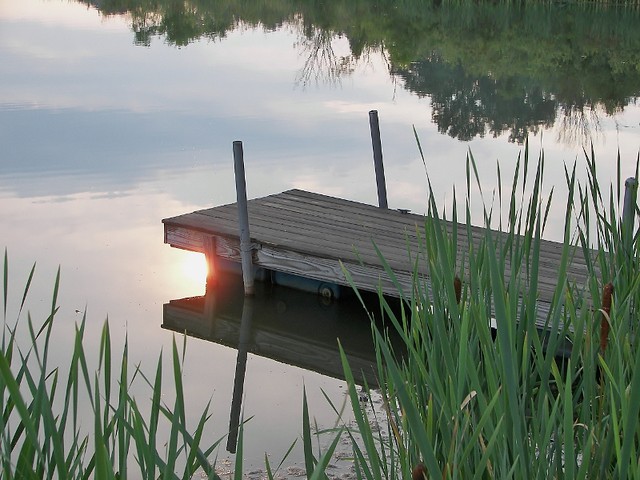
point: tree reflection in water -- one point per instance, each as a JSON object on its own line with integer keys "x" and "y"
{"x": 489, "y": 68}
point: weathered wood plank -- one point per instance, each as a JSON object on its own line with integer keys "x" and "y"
{"x": 387, "y": 217}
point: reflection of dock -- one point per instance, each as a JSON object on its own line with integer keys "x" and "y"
{"x": 284, "y": 324}
{"x": 287, "y": 325}
{"x": 310, "y": 235}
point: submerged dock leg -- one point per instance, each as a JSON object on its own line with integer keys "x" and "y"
{"x": 377, "y": 159}
{"x": 243, "y": 218}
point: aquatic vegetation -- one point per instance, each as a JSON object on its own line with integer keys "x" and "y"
{"x": 43, "y": 433}
{"x": 468, "y": 401}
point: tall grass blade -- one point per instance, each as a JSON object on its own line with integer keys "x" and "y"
{"x": 5, "y": 284}
{"x": 413, "y": 416}
{"x": 631, "y": 428}
{"x": 238, "y": 473}
{"x": 26, "y": 289}
{"x": 309, "y": 459}
{"x": 42, "y": 436}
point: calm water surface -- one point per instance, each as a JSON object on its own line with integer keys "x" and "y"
{"x": 102, "y": 138}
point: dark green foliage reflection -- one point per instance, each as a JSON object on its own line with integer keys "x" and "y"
{"x": 489, "y": 68}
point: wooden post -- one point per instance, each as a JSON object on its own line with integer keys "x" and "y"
{"x": 377, "y": 158}
{"x": 212, "y": 280}
{"x": 629, "y": 213}
{"x": 243, "y": 218}
{"x": 210, "y": 255}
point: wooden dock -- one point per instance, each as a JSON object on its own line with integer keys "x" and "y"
{"x": 310, "y": 235}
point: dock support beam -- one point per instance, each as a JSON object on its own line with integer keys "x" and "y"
{"x": 210, "y": 255}
{"x": 243, "y": 218}
{"x": 377, "y": 158}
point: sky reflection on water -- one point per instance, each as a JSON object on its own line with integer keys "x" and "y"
{"x": 102, "y": 139}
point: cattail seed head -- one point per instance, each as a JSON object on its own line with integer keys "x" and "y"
{"x": 605, "y": 318}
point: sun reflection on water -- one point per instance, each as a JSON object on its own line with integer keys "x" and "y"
{"x": 194, "y": 268}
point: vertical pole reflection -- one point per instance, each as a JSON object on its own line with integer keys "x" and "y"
{"x": 241, "y": 368}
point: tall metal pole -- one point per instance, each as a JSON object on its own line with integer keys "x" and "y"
{"x": 243, "y": 218}
{"x": 377, "y": 158}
